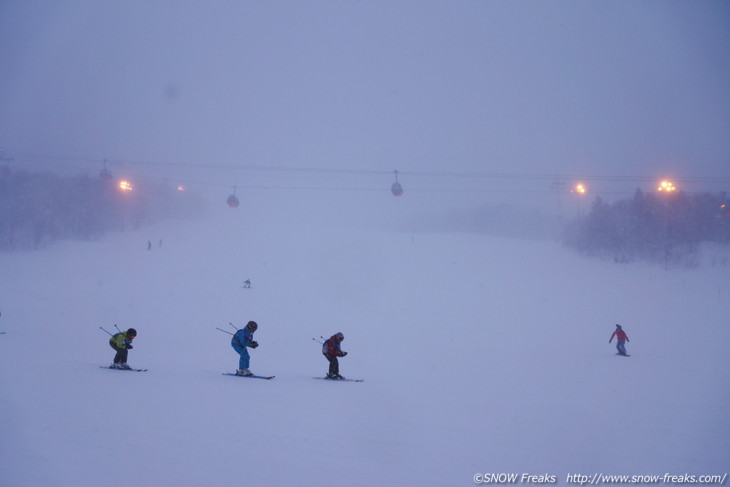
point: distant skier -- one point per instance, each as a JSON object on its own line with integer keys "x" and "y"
{"x": 331, "y": 350}
{"x": 149, "y": 245}
{"x": 247, "y": 283}
{"x": 621, "y": 339}
{"x": 241, "y": 339}
{"x": 122, "y": 342}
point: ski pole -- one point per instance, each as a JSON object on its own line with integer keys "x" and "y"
{"x": 318, "y": 341}
{"x": 234, "y": 326}
{"x": 115, "y": 326}
{"x": 224, "y": 331}
{"x": 102, "y": 328}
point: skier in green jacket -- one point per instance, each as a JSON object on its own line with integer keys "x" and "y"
{"x": 122, "y": 342}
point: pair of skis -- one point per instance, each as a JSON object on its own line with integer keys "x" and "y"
{"x": 265, "y": 377}
{"x": 339, "y": 380}
{"x": 128, "y": 370}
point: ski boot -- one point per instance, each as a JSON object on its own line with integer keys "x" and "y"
{"x": 114, "y": 366}
{"x": 244, "y": 372}
{"x": 124, "y": 366}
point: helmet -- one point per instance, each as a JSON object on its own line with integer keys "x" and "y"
{"x": 253, "y": 325}
{"x": 132, "y": 332}
{"x": 339, "y": 336}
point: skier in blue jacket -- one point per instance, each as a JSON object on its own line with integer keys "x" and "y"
{"x": 241, "y": 339}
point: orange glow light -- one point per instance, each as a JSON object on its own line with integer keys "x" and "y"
{"x": 125, "y": 185}
{"x": 666, "y": 186}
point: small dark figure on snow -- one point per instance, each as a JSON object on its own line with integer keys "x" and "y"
{"x": 331, "y": 350}
{"x": 122, "y": 342}
{"x": 621, "y": 339}
{"x": 247, "y": 283}
{"x": 149, "y": 245}
{"x": 241, "y": 339}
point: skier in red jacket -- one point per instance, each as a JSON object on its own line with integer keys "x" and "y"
{"x": 331, "y": 350}
{"x": 621, "y": 338}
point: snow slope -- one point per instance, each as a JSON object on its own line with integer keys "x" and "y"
{"x": 479, "y": 354}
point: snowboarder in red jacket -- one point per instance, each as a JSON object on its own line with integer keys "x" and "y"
{"x": 331, "y": 350}
{"x": 621, "y": 339}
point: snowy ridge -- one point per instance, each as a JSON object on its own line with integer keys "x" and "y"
{"x": 480, "y": 354}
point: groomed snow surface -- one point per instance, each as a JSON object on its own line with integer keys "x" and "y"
{"x": 480, "y": 355}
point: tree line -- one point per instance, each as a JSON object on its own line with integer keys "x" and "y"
{"x": 37, "y": 209}
{"x": 665, "y": 228}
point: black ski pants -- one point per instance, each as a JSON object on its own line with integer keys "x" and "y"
{"x": 121, "y": 356}
{"x": 334, "y": 364}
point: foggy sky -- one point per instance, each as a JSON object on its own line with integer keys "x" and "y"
{"x": 526, "y": 87}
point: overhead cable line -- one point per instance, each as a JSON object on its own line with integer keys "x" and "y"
{"x": 324, "y": 170}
